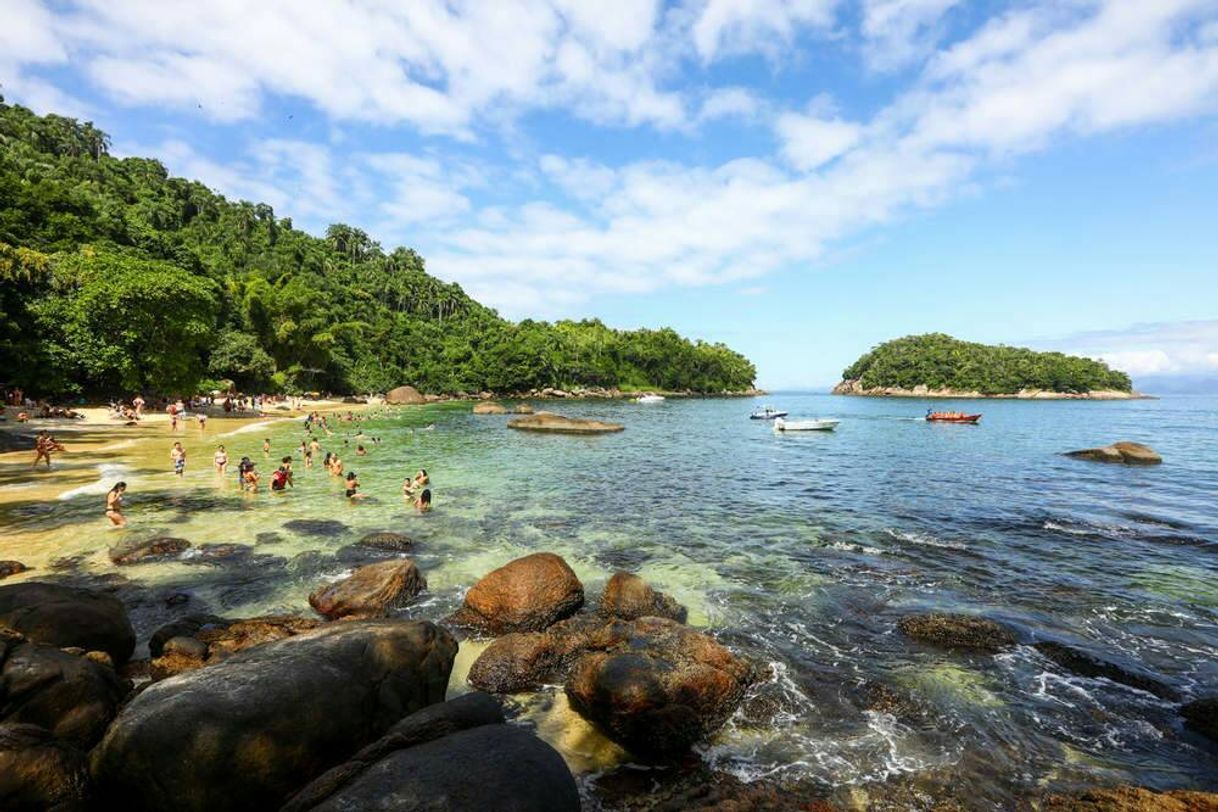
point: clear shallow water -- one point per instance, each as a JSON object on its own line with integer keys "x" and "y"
{"x": 802, "y": 551}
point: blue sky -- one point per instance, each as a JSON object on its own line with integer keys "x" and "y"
{"x": 800, "y": 179}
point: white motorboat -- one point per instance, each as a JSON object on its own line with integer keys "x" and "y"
{"x": 822, "y": 424}
{"x": 766, "y": 413}
{"x": 650, "y": 399}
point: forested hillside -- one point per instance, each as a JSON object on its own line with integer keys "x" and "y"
{"x": 118, "y": 277}
{"x": 939, "y": 361}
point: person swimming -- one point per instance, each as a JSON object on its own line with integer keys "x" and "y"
{"x": 114, "y": 505}
{"x": 423, "y": 503}
{"x": 360, "y": 451}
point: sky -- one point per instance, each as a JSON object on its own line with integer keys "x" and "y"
{"x": 800, "y": 179}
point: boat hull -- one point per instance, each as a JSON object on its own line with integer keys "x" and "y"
{"x": 805, "y": 425}
{"x": 964, "y": 418}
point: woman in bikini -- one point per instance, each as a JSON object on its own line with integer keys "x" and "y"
{"x": 114, "y": 505}
{"x": 221, "y": 460}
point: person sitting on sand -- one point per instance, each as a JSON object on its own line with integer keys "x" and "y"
{"x": 178, "y": 455}
{"x": 114, "y": 505}
{"x": 353, "y": 487}
{"x": 423, "y": 503}
{"x": 221, "y": 460}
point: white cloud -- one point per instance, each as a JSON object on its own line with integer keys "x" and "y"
{"x": 726, "y": 27}
{"x": 1161, "y": 348}
{"x": 899, "y": 32}
{"x": 809, "y": 141}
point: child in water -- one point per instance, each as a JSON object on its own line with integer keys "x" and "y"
{"x": 178, "y": 455}
{"x": 266, "y": 447}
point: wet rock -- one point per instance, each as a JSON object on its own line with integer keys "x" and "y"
{"x": 656, "y": 686}
{"x": 522, "y": 408}
{"x": 39, "y": 772}
{"x": 250, "y": 731}
{"x": 183, "y": 627}
{"x": 267, "y": 538}
{"x": 391, "y": 542}
{"x": 957, "y": 632}
{"x": 240, "y": 635}
{"x": 694, "y": 787}
{"x": 486, "y": 767}
{"x": 218, "y": 553}
{"x": 524, "y": 661}
{"x": 1132, "y": 799}
{"x": 527, "y": 594}
{"x": 371, "y": 591}
{"x": 1124, "y": 451}
{"x": 1088, "y": 665}
{"x": 316, "y": 527}
{"x": 628, "y": 597}
{"x": 8, "y": 568}
{"x": 404, "y": 395}
{"x": 176, "y": 599}
{"x": 1201, "y": 715}
{"x": 66, "y": 562}
{"x": 489, "y": 408}
{"x": 72, "y": 696}
{"x": 433, "y": 722}
{"x": 65, "y": 616}
{"x": 153, "y": 549}
{"x": 557, "y": 424}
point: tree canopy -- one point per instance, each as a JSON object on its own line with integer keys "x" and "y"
{"x": 117, "y": 276}
{"x": 939, "y": 361}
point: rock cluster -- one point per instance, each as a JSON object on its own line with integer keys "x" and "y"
{"x": 1122, "y": 452}
{"x": 68, "y": 617}
{"x": 558, "y": 424}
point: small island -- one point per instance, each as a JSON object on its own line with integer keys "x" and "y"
{"x": 935, "y": 365}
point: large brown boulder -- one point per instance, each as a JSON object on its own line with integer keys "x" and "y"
{"x": 65, "y": 617}
{"x": 656, "y": 686}
{"x": 957, "y": 632}
{"x": 405, "y": 395}
{"x": 248, "y": 732}
{"x": 489, "y": 408}
{"x": 39, "y": 772}
{"x": 524, "y": 661}
{"x": 628, "y": 596}
{"x": 1124, "y": 451}
{"x": 145, "y": 550}
{"x": 557, "y": 424}
{"x": 371, "y": 591}
{"x": 72, "y": 696}
{"x": 527, "y": 594}
{"x": 1132, "y": 799}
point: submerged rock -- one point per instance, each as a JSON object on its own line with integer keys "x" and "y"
{"x": 1124, "y": 451}
{"x": 656, "y": 686}
{"x": 628, "y": 596}
{"x": 1201, "y": 715}
{"x": 74, "y": 696}
{"x": 558, "y": 424}
{"x": 8, "y": 568}
{"x": 392, "y": 542}
{"x": 316, "y": 527}
{"x": 1088, "y": 665}
{"x": 1132, "y": 799}
{"x": 65, "y": 616}
{"x": 38, "y": 772}
{"x": 489, "y": 408}
{"x": 371, "y": 591}
{"x": 153, "y": 549}
{"x": 957, "y": 632}
{"x": 219, "y": 553}
{"x": 248, "y": 732}
{"x": 527, "y": 594}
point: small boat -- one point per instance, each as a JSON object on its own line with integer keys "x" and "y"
{"x": 767, "y": 413}
{"x": 821, "y": 424}
{"x": 649, "y": 399}
{"x": 952, "y": 417}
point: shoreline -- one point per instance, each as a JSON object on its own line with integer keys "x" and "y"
{"x": 853, "y": 389}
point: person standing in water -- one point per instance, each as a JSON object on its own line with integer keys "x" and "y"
{"x": 353, "y": 487}
{"x": 178, "y": 455}
{"x": 202, "y": 418}
{"x": 423, "y": 503}
{"x": 266, "y": 447}
{"x": 114, "y": 505}
{"x": 221, "y": 460}
{"x": 282, "y": 478}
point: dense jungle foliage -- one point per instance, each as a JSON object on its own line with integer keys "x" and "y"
{"x": 940, "y": 361}
{"x": 116, "y": 277}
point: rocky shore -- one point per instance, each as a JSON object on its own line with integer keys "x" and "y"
{"x": 855, "y": 387}
{"x": 411, "y": 396}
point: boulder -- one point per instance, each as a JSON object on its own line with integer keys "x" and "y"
{"x": 8, "y": 568}
{"x": 489, "y": 408}
{"x": 628, "y": 597}
{"x": 522, "y": 408}
{"x": 219, "y": 553}
{"x": 404, "y": 395}
{"x": 657, "y": 687}
{"x": 71, "y": 695}
{"x": 1088, "y": 665}
{"x": 65, "y": 616}
{"x": 183, "y": 627}
{"x": 39, "y": 772}
{"x": 153, "y": 549}
{"x": 527, "y": 594}
{"x": 1201, "y": 715}
{"x": 557, "y": 424}
{"x": 1132, "y": 799}
{"x": 248, "y": 732}
{"x": 1124, "y": 451}
{"x": 200, "y": 640}
{"x": 524, "y": 661}
{"x": 433, "y": 722}
{"x": 494, "y": 766}
{"x": 371, "y": 591}
{"x": 957, "y": 632}
{"x": 392, "y": 542}
{"x": 316, "y": 527}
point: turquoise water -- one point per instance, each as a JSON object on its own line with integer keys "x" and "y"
{"x": 802, "y": 551}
